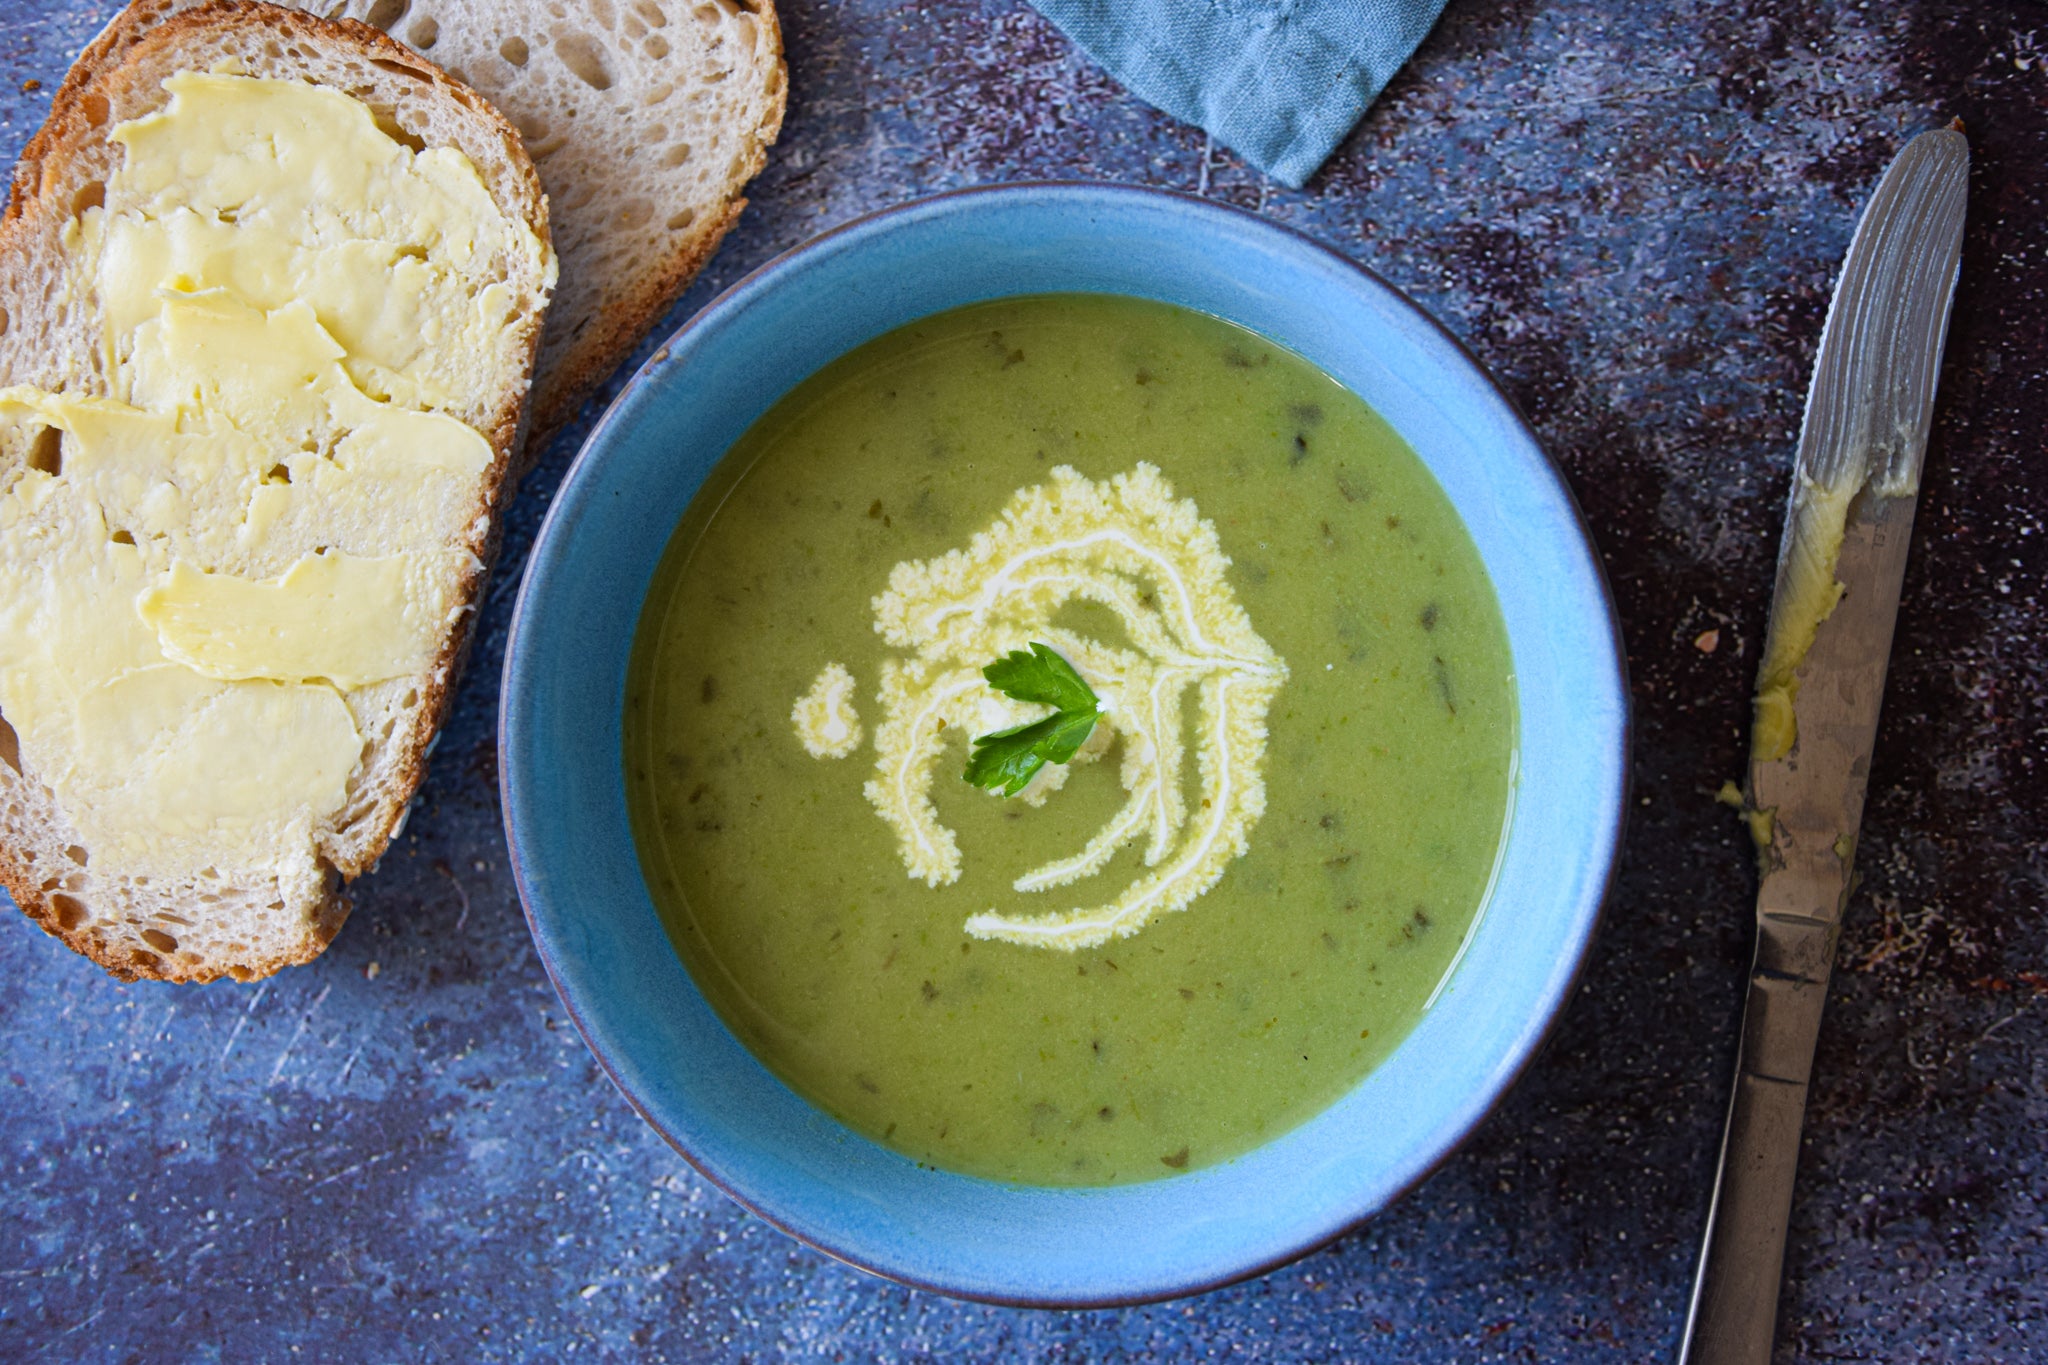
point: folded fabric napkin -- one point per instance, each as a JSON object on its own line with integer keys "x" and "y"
{"x": 1279, "y": 81}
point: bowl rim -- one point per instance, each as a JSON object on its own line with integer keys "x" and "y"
{"x": 1605, "y": 841}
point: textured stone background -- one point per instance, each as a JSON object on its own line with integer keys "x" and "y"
{"x": 1632, "y": 210}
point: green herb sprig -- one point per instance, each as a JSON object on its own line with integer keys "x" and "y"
{"x": 1008, "y": 759}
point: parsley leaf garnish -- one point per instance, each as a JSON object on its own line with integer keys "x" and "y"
{"x": 1006, "y": 760}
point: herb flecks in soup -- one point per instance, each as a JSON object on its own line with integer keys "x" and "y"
{"x": 1128, "y": 545}
{"x": 1388, "y": 748}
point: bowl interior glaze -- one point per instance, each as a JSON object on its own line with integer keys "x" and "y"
{"x": 604, "y": 945}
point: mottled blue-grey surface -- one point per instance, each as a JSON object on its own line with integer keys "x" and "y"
{"x": 1631, "y": 209}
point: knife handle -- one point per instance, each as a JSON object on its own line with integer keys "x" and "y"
{"x": 1734, "y": 1311}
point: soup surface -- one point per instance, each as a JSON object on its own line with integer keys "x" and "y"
{"x": 1229, "y": 918}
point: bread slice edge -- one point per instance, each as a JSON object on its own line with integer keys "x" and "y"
{"x": 79, "y": 116}
{"x": 604, "y": 346}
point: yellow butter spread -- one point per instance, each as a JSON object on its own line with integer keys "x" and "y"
{"x": 209, "y": 569}
{"x": 1807, "y": 595}
{"x": 349, "y": 620}
{"x": 282, "y": 193}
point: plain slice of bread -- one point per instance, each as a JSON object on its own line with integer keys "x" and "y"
{"x": 217, "y": 922}
{"x": 647, "y": 118}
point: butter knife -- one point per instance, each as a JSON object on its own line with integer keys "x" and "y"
{"x": 1854, "y": 486}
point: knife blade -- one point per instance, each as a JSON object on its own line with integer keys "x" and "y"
{"x": 1855, "y": 485}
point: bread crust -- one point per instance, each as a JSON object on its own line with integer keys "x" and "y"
{"x": 601, "y": 348}
{"x": 115, "y": 80}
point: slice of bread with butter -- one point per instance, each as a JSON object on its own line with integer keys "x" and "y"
{"x": 647, "y": 118}
{"x": 272, "y": 293}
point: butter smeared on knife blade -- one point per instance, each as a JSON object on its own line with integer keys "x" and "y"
{"x": 1840, "y": 569}
{"x": 1870, "y": 403}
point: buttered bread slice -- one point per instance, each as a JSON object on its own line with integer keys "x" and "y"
{"x": 646, "y": 119}
{"x": 272, "y": 296}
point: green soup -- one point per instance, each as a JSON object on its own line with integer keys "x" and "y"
{"x": 1373, "y": 720}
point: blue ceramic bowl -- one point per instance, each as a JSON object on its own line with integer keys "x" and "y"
{"x": 598, "y": 933}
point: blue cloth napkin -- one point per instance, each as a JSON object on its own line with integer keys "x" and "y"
{"x": 1279, "y": 81}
